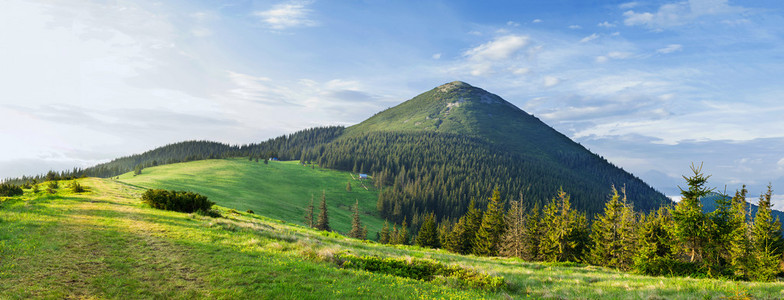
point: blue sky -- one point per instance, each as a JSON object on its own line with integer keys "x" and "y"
{"x": 650, "y": 85}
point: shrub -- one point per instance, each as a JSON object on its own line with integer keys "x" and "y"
{"x": 420, "y": 270}
{"x": 53, "y": 185}
{"x": 250, "y": 211}
{"x": 77, "y": 188}
{"x": 212, "y": 213}
{"x": 10, "y": 190}
{"x": 178, "y": 201}
{"x": 664, "y": 266}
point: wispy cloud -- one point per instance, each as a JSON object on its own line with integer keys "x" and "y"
{"x": 670, "y": 49}
{"x": 589, "y": 38}
{"x": 606, "y": 24}
{"x": 678, "y": 13}
{"x": 575, "y": 27}
{"x": 550, "y": 81}
{"x": 287, "y": 15}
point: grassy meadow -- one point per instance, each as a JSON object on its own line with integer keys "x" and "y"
{"x": 106, "y": 244}
{"x": 280, "y": 189}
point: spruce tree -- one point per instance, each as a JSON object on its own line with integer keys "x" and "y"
{"x": 393, "y": 237}
{"x": 739, "y": 245}
{"x": 444, "y": 228}
{"x": 512, "y": 242}
{"x": 689, "y": 220}
{"x": 309, "y": 213}
{"x": 455, "y": 241}
{"x": 403, "y": 237}
{"x": 532, "y": 234}
{"x": 654, "y": 240}
{"x": 323, "y": 218}
{"x": 385, "y": 234}
{"x": 606, "y": 233}
{"x": 357, "y": 231}
{"x": 767, "y": 244}
{"x": 565, "y": 231}
{"x": 348, "y": 186}
{"x": 474, "y": 218}
{"x": 488, "y": 237}
{"x": 428, "y": 233}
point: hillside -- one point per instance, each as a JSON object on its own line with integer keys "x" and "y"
{"x": 106, "y": 244}
{"x": 280, "y": 190}
{"x": 456, "y": 142}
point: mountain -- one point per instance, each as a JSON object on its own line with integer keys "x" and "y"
{"x": 454, "y": 143}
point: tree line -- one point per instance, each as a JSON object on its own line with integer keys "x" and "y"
{"x": 679, "y": 240}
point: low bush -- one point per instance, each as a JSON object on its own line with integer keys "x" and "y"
{"x": 664, "y": 266}
{"x": 10, "y": 190}
{"x": 77, "y": 188}
{"x": 420, "y": 270}
{"x": 177, "y": 201}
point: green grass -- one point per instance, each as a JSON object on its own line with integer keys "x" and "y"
{"x": 106, "y": 244}
{"x": 279, "y": 189}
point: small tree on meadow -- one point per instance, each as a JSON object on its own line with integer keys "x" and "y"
{"x": 428, "y": 233}
{"x": 309, "y": 213}
{"x": 357, "y": 231}
{"x": 690, "y": 222}
{"x": 323, "y": 218}
{"x": 767, "y": 243}
{"x": 513, "y": 240}
{"x": 384, "y": 235}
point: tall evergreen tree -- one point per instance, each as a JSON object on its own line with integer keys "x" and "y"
{"x": 384, "y": 235}
{"x": 513, "y": 240}
{"x": 393, "y": 237}
{"x": 456, "y": 241}
{"x": 606, "y": 233}
{"x": 444, "y": 228}
{"x": 402, "y": 237}
{"x": 323, "y": 218}
{"x": 428, "y": 233}
{"x": 767, "y": 244}
{"x": 719, "y": 230}
{"x": 565, "y": 231}
{"x": 309, "y": 213}
{"x": 488, "y": 237}
{"x": 654, "y": 240}
{"x": 357, "y": 231}
{"x": 689, "y": 220}
{"x": 739, "y": 245}
{"x": 532, "y": 234}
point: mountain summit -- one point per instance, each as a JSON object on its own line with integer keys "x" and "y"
{"x": 458, "y": 142}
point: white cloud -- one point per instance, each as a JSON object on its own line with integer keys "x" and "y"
{"x": 589, "y": 38}
{"x": 575, "y": 27}
{"x": 500, "y": 48}
{"x": 780, "y": 163}
{"x": 513, "y": 24}
{"x": 606, "y": 24}
{"x": 437, "y": 56}
{"x": 628, "y": 5}
{"x": 550, "y": 81}
{"x": 670, "y": 49}
{"x": 287, "y": 15}
{"x": 679, "y": 13}
{"x": 482, "y": 59}
{"x": 613, "y": 55}
{"x": 537, "y": 21}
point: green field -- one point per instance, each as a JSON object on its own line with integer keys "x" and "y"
{"x": 106, "y": 244}
{"x": 280, "y": 189}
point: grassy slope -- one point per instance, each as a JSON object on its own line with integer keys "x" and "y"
{"x": 106, "y": 244}
{"x": 279, "y": 189}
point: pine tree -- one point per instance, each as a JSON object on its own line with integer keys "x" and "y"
{"x": 357, "y": 231}
{"x": 444, "y": 228}
{"x": 384, "y": 235}
{"x": 309, "y": 213}
{"x": 565, "y": 231}
{"x": 767, "y": 244}
{"x": 428, "y": 233}
{"x": 323, "y": 219}
{"x": 512, "y": 242}
{"x": 455, "y": 241}
{"x": 690, "y": 223}
{"x": 402, "y": 236}
{"x": 488, "y": 237}
{"x": 739, "y": 245}
{"x": 606, "y": 233}
{"x": 393, "y": 237}
{"x": 532, "y": 234}
{"x": 654, "y": 240}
